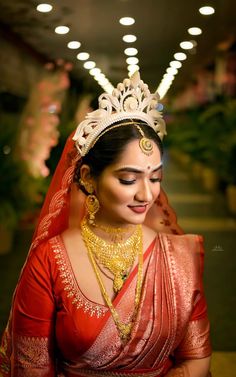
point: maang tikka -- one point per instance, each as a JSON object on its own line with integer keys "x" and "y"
{"x": 92, "y": 203}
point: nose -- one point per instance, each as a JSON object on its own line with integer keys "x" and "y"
{"x": 144, "y": 193}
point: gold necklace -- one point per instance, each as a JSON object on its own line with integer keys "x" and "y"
{"x": 117, "y": 257}
{"x": 124, "y": 329}
{"x": 116, "y": 234}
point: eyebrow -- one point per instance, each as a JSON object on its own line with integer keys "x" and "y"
{"x": 131, "y": 169}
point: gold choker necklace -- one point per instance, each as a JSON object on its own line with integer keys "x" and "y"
{"x": 117, "y": 257}
{"x": 124, "y": 329}
{"x": 115, "y": 234}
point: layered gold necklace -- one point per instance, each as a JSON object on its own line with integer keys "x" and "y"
{"x": 118, "y": 259}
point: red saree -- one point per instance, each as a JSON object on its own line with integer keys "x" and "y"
{"x": 58, "y": 331}
{"x": 54, "y": 330}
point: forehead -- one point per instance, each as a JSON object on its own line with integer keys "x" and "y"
{"x": 133, "y": 155}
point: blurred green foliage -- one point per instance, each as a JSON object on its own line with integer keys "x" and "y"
{"x": 209, "y": 136}
{"x": 19, "y": 192}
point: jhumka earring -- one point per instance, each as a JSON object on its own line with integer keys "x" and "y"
{"x": 93, "y": 206}
{"x": 92, "y": 203}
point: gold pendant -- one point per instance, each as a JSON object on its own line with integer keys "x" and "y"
{"x": 118, "y": 283}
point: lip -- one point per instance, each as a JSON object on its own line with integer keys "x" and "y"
{"x": 138, "y": 209}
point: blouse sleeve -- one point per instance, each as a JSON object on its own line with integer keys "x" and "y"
{"x": 33, "y": 318}
{"x": 196, "y": 341}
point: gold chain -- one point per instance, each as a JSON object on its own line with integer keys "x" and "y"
{"x": 124, "y": 329}
{"x": 117, "y": 257}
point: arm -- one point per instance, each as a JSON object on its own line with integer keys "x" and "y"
{"x": 193, "y": 353}
{"x": 33, "y": 319}
{"x": 191, "y": 368}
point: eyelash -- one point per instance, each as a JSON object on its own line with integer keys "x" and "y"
{"x": 124, "y": 182}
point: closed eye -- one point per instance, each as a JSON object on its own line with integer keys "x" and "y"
{"x": 126, "y": 182}
{"x": 153, "y": 180}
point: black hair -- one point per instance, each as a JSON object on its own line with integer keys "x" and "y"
{"x": 110, "y": 146}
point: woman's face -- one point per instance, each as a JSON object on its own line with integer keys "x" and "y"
{"x": 127, "y": 189}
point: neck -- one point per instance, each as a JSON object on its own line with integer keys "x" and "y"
{"x": 113, "y": 233}
{"x": 101, "y": 221}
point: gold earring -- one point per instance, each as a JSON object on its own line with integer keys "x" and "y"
{"x": 88, "y": 186}
{"x": 92, "y": 205}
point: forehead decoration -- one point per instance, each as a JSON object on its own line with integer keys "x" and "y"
{"x": 131, "y": 101}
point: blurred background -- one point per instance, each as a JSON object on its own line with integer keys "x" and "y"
{"x": 57, "y": 58}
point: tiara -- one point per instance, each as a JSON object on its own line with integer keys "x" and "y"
{"x": 131, "y": 100}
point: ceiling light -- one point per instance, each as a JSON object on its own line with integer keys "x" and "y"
{"x": 108, "y": 88}
{"x": 186, "y": 45}
{"x": 82, "y": 56}
{"x": 89, "y": 65}
{"x": 130, "y": 51}
{"x": 73, "y": 45}
{"x": 132, "y": 60}
{"x": 127, "y": 21}
{"x": 103, "y": 81}
{"x": 62, "y": 30}
{"x": 133, "y": 68}
{"x": 168, "y": 76}
{"x": 162, "y": 90}
{"x": 180, "y": 56}
{"x": 175, "y": 64}
{"x": 172, "y": 71}
{"x": 44, "y": 8}
{"x": 129, "y": 38}
{"x": 206, "y": 11}
{"x": 195, "y": 31}
{"x": 94, "y": 71}
{"x": 99, "y": 77}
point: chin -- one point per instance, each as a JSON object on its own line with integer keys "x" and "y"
{"x": 137, "y": 219}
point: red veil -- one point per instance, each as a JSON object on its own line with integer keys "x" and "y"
{"x": 64, "y": 207}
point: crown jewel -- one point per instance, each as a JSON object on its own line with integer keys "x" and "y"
{"x": 130, "y": 100}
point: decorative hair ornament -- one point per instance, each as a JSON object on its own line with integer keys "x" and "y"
{"x": 145, "y": 144}
{"x": 130, "y": 100}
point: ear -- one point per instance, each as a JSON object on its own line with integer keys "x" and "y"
{"x": 85, "y": 175}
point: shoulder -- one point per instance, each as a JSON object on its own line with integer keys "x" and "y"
{"x": 186, "y": 251}
{"x": 42, "y": 257}
{"x": 188, "y": 243}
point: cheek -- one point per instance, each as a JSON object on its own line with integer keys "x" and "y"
{"x": 156, "y": 191}
{"x": 114, "y": 193}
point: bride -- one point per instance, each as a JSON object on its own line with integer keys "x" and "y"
{"x": 111, "y": 285}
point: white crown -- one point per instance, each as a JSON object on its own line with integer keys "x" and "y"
{"x": 130, "y": 100}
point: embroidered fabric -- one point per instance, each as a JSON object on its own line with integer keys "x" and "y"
{"x": 89, "y": 372}
{"x": 31, "y": 356}
{"x": 196, "y": 340}
{"x": 70, "y": 284}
